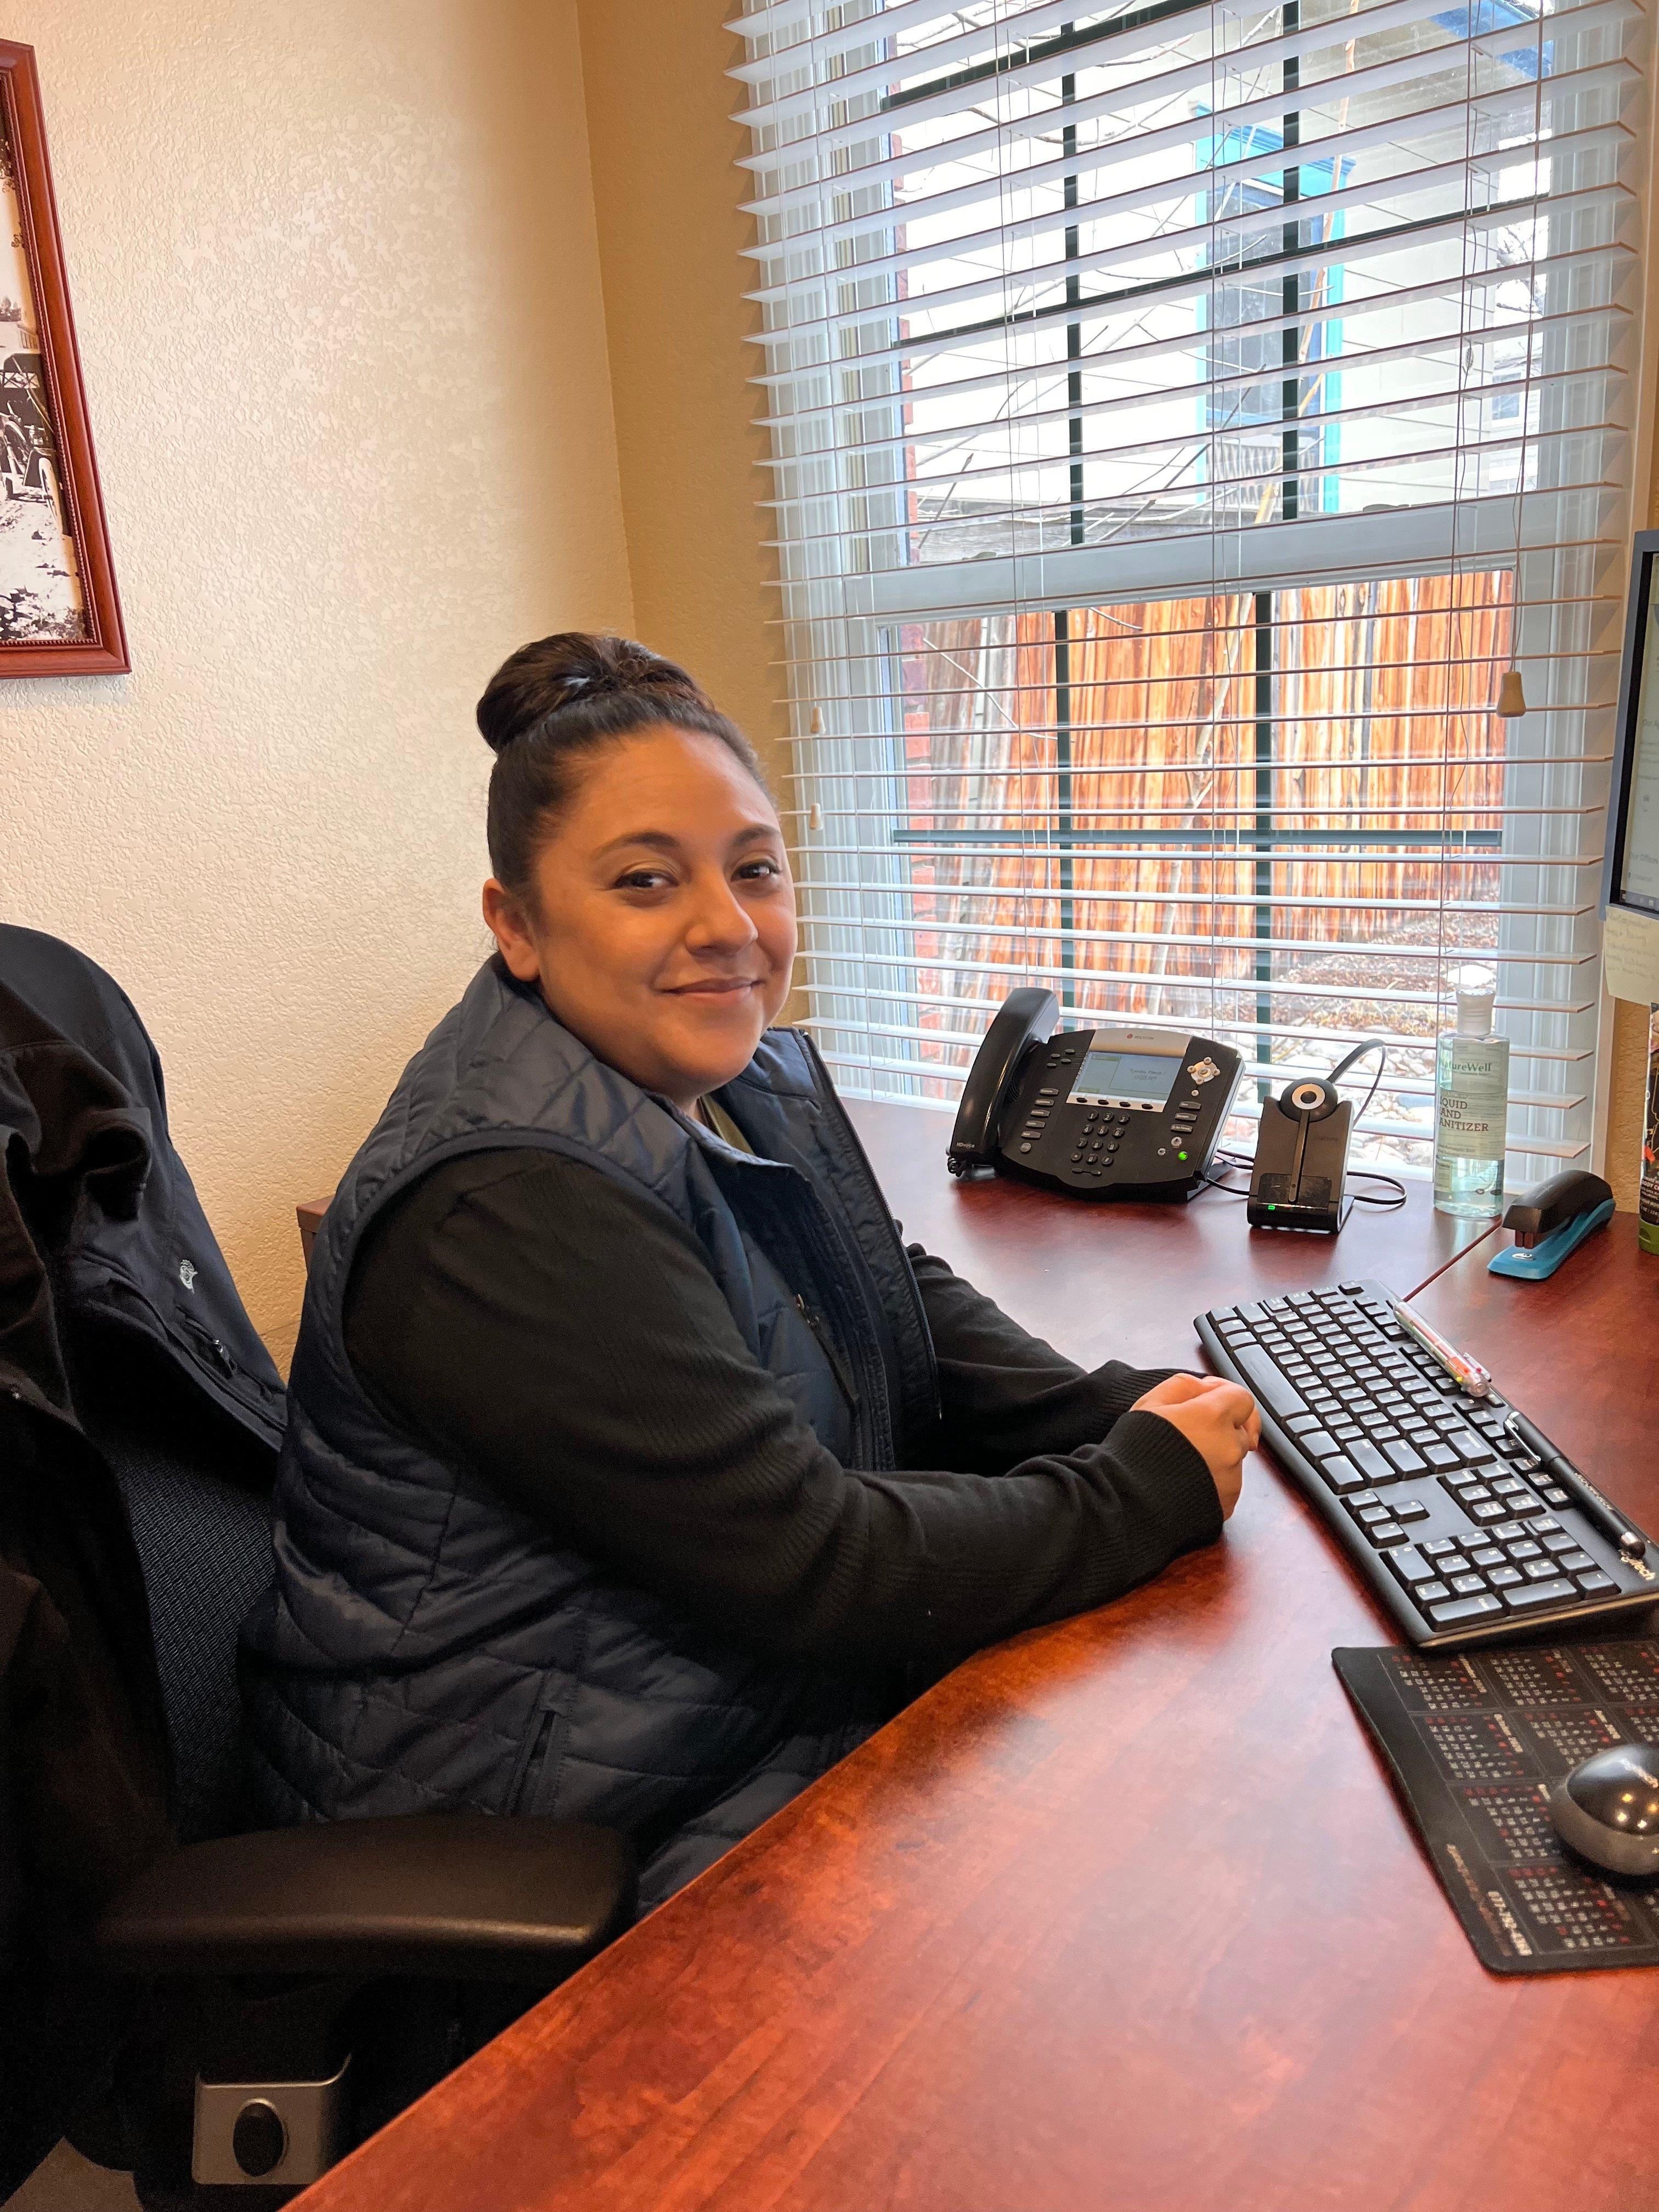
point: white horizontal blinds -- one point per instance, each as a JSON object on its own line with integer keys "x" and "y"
{"x": 1180, "y": 415}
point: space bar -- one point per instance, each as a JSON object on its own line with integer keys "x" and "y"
{"x": 1265, "y": 1379}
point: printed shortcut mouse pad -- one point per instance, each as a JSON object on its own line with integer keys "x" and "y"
{"x": 1476, "y": 1743}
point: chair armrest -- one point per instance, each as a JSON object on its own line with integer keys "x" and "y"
{"x": 456, "y": 1896}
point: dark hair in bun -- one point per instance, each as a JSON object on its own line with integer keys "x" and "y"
{"x": 552, "y": 701}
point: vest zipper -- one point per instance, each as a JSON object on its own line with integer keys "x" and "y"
{"x": 531, "y": 1759}
{"x": 828, "y": 1099}
{"x": 826, "y": 1345}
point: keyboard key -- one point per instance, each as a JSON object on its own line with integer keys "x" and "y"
{"x": 1405, "y": 1458}
{"x": 1552, "y": 1494}
{"x": 1560, "y": 1541}
{"x": 1525, "y": 1549}
{"x": 1317, "y": 1445}
{"x": 1535, "y": 1571}
{"x": 1472, "y": 1449}
{"x": 1299, "y": 1424}
{"x": 1543, "y": 1524}
{"x": 1467, "y": 1585}
{"x": 1506, "y": 1532}
{"x": 1487, "y": 1556}
{"x": 1595, "y": 1584}
{"x": 1505, "y": 1577}
{"x": 1384, "y": 1533}
{"x": 1267, "y": 1383}
{"x": 1426, "y": 1592}
{"x": 1371, "y": 1514}
{"x": 1459, "y": 1609}
{"x": 1410, "y": 1509}
{"x": 1438, "y": 1549}
{"x": 1411, "y": 1566}
{"x": 1476, "y": 1493}
{"x": 1492, "y": 1511}
{"x": 1531, "y": 1594}
{"x": 1575, "y": 1563}
{"x": 1440, "y": 1456}
{"x": 1343, "y": 1476}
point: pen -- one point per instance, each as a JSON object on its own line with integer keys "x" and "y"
{"x": 1474, "y": 1378}
{"x": 1595, "y": 1509}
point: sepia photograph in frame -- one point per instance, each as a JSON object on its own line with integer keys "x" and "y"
{"x": 59, "y": 614}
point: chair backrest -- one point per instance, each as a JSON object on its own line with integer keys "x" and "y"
{"x": 196, "y": 1491}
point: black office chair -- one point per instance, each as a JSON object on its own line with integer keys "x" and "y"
{"x": 223, "y": 2014}
{"x": 294, "y": 1989}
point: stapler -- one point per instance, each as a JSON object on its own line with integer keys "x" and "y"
{"x": 1551, "y": 1221}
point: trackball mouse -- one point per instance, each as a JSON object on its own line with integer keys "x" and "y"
{"x": 1607, "y": 1809}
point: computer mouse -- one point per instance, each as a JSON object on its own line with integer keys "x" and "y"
{"x": 1607, "y": 1809}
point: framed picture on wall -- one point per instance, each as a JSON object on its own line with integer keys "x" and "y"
{"x": 60, "y": 615}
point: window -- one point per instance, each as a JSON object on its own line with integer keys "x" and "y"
{"x": 1182, "y": 418}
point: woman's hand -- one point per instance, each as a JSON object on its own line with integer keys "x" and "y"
{"x": 1218, "y": 1418}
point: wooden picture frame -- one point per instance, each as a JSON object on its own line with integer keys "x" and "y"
{"x": 59, "y": 614}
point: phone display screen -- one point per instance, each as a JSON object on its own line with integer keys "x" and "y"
{"x": 1142, "y": 1078}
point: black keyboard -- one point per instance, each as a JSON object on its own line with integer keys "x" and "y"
{"x": 1467, "y": 1531}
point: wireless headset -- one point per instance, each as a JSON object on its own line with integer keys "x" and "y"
{"x": 1302, "y": 1152}
{"x": 1312, "y": 1097}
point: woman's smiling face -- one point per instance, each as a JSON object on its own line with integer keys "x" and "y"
{"x": 664, "y": 923}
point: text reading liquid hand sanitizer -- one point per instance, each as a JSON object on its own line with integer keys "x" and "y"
{"x": 1472, "y": 1104}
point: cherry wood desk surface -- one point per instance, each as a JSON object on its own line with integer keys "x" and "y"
{"x": 1123, "y": 1913}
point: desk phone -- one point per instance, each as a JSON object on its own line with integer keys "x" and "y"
{"x": 1121, "y": 1110}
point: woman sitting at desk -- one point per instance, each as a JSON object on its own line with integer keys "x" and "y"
{"x": 635, "y": 1467}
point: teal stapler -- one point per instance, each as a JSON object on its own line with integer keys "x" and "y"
{"x": 1553, "y": 1220}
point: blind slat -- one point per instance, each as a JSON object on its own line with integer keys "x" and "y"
{"x": 995, "y": 138}
{"x": 1139, "y": 38}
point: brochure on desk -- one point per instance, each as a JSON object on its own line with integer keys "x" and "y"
{"x": 1476, "y": 1743}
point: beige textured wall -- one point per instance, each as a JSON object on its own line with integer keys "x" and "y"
{"x": 1627, "y": 1102}
{"x": 671, "y": 240}
{"x": 336, "y": 277}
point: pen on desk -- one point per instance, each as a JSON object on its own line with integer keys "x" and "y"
{"x": 1595, "y": 1509}
{"x": 1470, "y": 1373}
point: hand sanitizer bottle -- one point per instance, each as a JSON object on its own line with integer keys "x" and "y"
{"x": 1472, "y": 1104}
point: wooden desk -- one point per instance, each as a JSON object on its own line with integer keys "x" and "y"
{"x": 1124, "y": 1912}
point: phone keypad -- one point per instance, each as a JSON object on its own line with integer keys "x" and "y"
{"x": 1097, "y": 1144}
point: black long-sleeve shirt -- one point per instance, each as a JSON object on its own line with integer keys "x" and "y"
{"x": 521, "y": 1314}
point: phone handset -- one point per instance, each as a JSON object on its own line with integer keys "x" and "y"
{"x": 1027, "y": 1019}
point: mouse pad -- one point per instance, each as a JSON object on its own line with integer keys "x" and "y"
{"x": 1476, "y": 1742}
